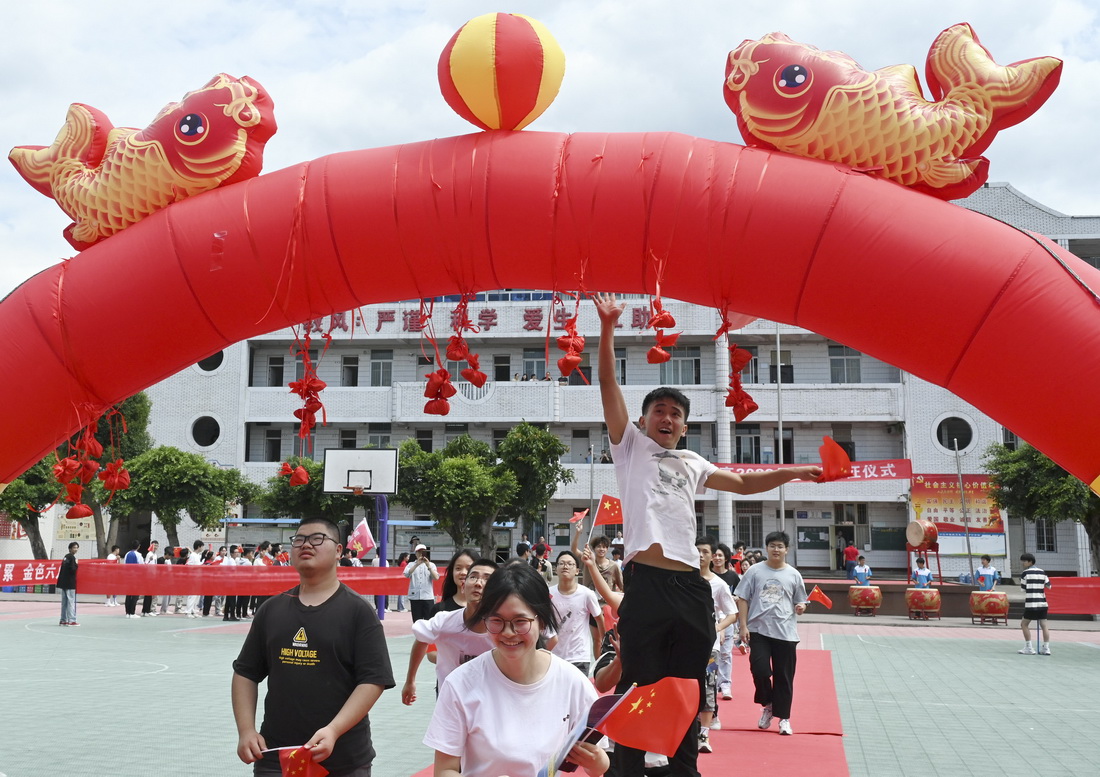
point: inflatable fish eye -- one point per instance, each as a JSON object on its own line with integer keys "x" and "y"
{"x": 191, "y": 129}
{"x": 793, "y": 80}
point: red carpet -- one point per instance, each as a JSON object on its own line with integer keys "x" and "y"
{"x": 815, "y": 710}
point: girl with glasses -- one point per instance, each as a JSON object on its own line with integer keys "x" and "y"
{"x": 509, "y": 711}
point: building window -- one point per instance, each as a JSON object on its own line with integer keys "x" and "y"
{"x": 348, "y": 439}
{"x": 300, "y": 364}
{"x": 381, "y": 367}
{"x": 685, "y": 368}
{"x": 349, "y": 371}
{"x": 378, "y": 435}
{"x": 1011, "y": 441}
{"x": 788, "y": 444}
{"x": 843, "y": 364}
{"x": 534, "y": 362}
{"x": 452, "y": 432}
{"x": 751, "y": 372}
{"x": 842, "y": 433}
{"x": 502, "y": 368}
{"x": 498, "y": 437}
{"x": 1045, "y": 536}
{"x": 782, "y": 364}
{"x": 849, "y": 512}
{"x": 746, "y": 438}
{"x": 274, "y": 370}
{"x": 750, "y": 524}
{"x": 273, "y": 445}
{"x": 212, "y": 362}
{"x": 205, "y": 431}
{"x": 693, "y": 440}
{"x": 304, "y": 447}
{"x": 620, "y": 366}
{"x": 954, "y": 429}
{"x": 424, "y": 438}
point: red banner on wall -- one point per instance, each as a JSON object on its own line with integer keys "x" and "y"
{"x": 886, "y": 469}
{"x": 94, "y": 577}
{"x": 936, "y": 498}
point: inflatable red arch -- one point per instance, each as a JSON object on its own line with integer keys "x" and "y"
{"x": 952, "y": 296}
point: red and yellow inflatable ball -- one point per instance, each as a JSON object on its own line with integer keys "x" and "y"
{"x": 501, "y": 70}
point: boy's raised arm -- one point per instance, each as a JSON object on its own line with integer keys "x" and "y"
{"x": 614, "y": 405}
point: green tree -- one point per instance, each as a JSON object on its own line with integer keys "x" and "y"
{"x": 467, "y": 487}
{"x": 309, "y": 500}
{"x": 28, "y": 495}
{"x": 173, "y": 483}
{"x": 1028, "y": 484}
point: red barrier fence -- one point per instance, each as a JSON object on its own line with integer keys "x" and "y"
{"x": 1074, "y": 595}
{"x": 94, "y": 577}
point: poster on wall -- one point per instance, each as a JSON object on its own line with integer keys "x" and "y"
{"x": 936, "y": 498}
{"x": 76, "y": 529}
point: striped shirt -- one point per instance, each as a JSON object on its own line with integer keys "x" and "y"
{"x": 1034, "y": 581}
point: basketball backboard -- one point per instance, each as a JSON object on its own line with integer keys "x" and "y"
{"x": 374, "y": 471}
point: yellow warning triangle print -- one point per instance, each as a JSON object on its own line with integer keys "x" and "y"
{"x": 301, "y": 635}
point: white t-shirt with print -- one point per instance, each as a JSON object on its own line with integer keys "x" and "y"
{"x": 454, "y": 643}
{"x": 500, "y": 727}
{"x": 574, "y": 637}
{"x": 658, "y": 489}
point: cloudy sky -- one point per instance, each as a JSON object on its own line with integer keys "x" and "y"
{"x": 348, "y": 75}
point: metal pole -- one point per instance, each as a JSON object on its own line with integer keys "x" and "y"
{"x": 383, "y": 507}
{"x": 779, "y": 440}
{"x": 591, "y": 480}
{"x": 962, "y": 500}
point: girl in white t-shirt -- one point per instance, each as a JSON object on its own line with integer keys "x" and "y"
{"x": 509, "y": 711}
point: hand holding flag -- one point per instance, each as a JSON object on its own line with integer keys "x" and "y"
{"x": 579, "y": 515}
{"x": 610, "y": 510}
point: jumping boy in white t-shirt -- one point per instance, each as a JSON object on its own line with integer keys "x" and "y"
{"x": 667, "y": 616}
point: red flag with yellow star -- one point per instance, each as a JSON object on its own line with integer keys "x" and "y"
{"x": 609, "y": 511}
{"x": 654, "y": 717}
{"x": 296, "y": 762}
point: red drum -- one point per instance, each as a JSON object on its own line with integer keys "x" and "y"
{"x": 865, "y": 597}
{"x": 920, "y": 534}
{"x": 921, "y": 602}
{"x": 988, "y": 605}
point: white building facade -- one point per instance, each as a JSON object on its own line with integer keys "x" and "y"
{"x": 234, "y": 409}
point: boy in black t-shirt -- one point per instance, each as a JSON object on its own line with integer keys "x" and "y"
{"x": 322, "y": 650}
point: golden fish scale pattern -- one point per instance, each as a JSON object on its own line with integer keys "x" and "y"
{"x": 912, "y": 140}
{"x": 134, "y": 181}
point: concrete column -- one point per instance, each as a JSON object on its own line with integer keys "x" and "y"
{"x": 723, "y": 437}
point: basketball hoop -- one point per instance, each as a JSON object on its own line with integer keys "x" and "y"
{"x": 355, "y": 490}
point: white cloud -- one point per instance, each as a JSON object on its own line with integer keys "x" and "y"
{"x": 348, "y": 75}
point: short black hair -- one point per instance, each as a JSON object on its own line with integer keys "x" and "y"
{"x": 198, "y": 544}
{"x": 519, "y": 578}
{"x": 667, "y": 392}
{"x": 599, "y": 541}
{"x": 707, "y": 540}
{"x": 328, "y": 523}
{"x": 1027, "y": 557}
{"x": 569, "y": 553}
{"x": 73, "y": 545}
{"x": 778, "y": 536}
{"x": 860, "y": 558}
{"x": 522, "y": 548}
{"x": 987, "y": 558}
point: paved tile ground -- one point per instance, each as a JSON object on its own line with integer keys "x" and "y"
{"x": 131, "y": 698}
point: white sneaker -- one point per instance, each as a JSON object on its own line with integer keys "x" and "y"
{"x": 704, "y": 741}
{"x": 715, "y": 725}
{"x": 1028, "y": 651}
{"x": 1045, "y": 651}
{"x": 765, "y": 718}
{"x": 785, "y": 727}
{"x": 725, "y": 691}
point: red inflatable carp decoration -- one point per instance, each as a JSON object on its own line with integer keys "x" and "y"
{"x": 106, "y": 178}
{"x": 821, "y": 104}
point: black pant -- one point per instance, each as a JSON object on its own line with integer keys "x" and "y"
{"x": 131, "y": 604}
{"x": 242, "y": 606}
{"x": 206, "y": 602}
{"x": 666, "y": 629}
{"x": 229, "y": 609}
{"x": 421, "y": 608}
{"x": 772, "y": 663}
{"x": 146, "y": 605}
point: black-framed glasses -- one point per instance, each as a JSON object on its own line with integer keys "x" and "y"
{"x": 495, "y": 625}
{"x": 298, "y": 540}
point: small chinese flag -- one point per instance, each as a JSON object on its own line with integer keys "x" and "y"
{"x": 361, "y": 540}
{"x": 578, "y": 515}
{"x": 609, "y": 511}
{"x": 817, "y": 595}
{"x": 654, "y": 717}
{"x": 835, "y": 463}
{"x": 296, "y": 762}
